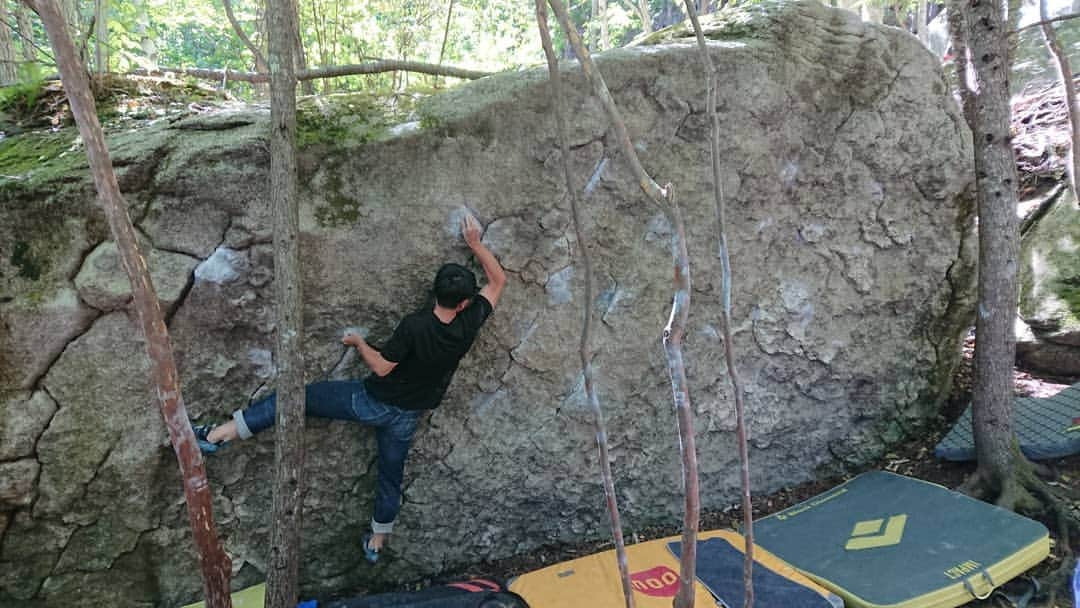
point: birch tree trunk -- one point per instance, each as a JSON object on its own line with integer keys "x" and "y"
{"x": 284, "y": 562}
{"x": 9, "y": 72}
{"x": 213, "y": 560}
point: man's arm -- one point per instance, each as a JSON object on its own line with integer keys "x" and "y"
{"x": 496, "y": 277}
{"x": 373, "y": 358}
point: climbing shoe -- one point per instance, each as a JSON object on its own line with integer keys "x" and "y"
{"x": 371, "y": 555}
{"x": 202, "y": 434}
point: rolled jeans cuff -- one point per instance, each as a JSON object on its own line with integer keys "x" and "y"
{"x": 241, "y": 425}
{"x": 380, "y": 528}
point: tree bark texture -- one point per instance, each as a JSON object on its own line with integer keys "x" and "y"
{"x": 585, "y": 348}
{"x": 957, "y": 21}
{"x": 1066, "y": 75}
{"x": 8, "y": 64}
{"x": 26, "y": 34}
{"x": 646, "y": 16}
{"x": 675, "y": 329}
{"x": 605, "y": 39}
{"x": 372, "y": 67}
{"x": 920, "y": 23}
{"x": 283, "y": 564}
{"x": 995, "y": 182}
{"x": 712, "y": 79}
{"x": 213, "y": 560}
{"x": 101, "y": 37}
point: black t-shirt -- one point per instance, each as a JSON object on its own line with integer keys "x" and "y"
{"x": 427, "y": 352}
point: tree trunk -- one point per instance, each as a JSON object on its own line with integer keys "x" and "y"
{"x": 26, "y": 34}
{"x": 1065, "y": 73}
{"x": 9, "y": 72}
{"x": 446, "y": 35}
{"x": 213, "y": 560}
{"x": 101, "y": 36}
{"x": 585, "y": 346}
{"x": 590, "y": 26}
{"x": 920, "y": 22}
{"x": 283, "y": 564}
{"x": 995, "y": 171}
{"x": 605, "y": 42}
{"x": 646, "y": 16}
{"x": 299, "y": 55}
{"x": 146, "y": 43}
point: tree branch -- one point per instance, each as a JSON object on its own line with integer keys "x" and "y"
{"x": 1045, "y": 21}
{"x": 259, "y": 58}
{"x": 372, "y": 67}
{"x": 676, "y": 326}
{"x": 587, "y": 304}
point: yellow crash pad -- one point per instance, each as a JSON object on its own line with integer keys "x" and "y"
{"x": 252, "y": 597}
{"x": 594, "y": 581}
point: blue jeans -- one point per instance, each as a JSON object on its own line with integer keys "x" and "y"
{"x": 349, "y": 400}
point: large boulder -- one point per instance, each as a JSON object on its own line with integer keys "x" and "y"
{"x": 845, "y": 165}
{"x": 1049, "y": 339}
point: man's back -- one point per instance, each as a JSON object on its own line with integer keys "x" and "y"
{"x": 427, "y": 352}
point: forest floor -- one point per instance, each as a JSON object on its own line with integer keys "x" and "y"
{"x": 914, "y": 458}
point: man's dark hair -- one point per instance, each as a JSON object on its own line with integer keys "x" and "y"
{"x": 454, "y": 283}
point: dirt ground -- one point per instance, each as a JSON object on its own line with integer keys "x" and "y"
{"x": 914, "y": 459}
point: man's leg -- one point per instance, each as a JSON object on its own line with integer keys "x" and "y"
{"x": 393, "y": 442}
{"x": 333, "y": 399}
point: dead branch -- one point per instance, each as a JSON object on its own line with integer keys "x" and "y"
{"x": 372, "y": 67}
{"x": 584, "y": 349}
{"x": 676, "y": 326}
{"x": 1044, "y": 21}
{"x": 712, "y": 80}
{"x": 213, "y": 560}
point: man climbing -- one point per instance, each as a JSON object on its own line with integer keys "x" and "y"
{"x": 409, "y": 376}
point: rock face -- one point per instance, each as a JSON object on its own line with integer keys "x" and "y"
{"x": 1049, "y": 338}
{"x": 844, "y": 167}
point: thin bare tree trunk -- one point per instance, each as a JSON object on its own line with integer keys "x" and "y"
{"x": 101, "y": 37}
{"x": 446, "y": 31}
{"x": 9, "y": 72}
{"x": 605, "y": 42}
{"x": 284, "y": 562}
{"x": 995, "y": 172}
{"x": 146, "y": 43}
{"x": 446, "y": 36}
{"x": 26, "y": 34}
{"x": 213, "y": 560}
{"x": 712, "y": 79}
{"x": 920, "y": 22}
{"x": 590, "y": 25}
{"x": 958, "y": 36}
{"x": 1066, "y": 74}
{"x": 585, "y": 347}
{"x": 646, "y": 16}
{"x": 676, "y": 326}
{"x": 260, "y": 60}
{"x": 299, "y": 55}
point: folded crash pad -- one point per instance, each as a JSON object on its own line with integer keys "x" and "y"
{"x": 1047, "y": 427}
{"x": 884, "y": 540}
{"x": 594, "y": 581}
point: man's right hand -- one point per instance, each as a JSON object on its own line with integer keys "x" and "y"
{"x": 471, "y": 230}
